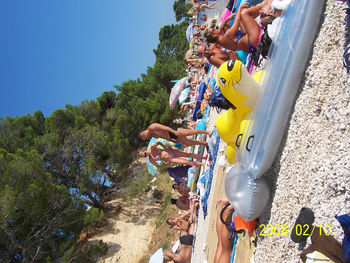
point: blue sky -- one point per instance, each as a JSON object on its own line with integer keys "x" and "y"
{"x": 59, "y": 52}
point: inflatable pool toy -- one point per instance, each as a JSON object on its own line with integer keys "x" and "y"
{"x": 237, "y": 85}
{"x": 241, "y": 89}
{"x": 228, "y": 125}
{"x": 245, "y": 187}
{"x": 230, "y": 152}
{"x": 284, "y": 72}
{"x": 247, "y": 195}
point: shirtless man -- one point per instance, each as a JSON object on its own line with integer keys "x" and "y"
{"x": 215, "y": 55}
{"x": 182, "y": 203}
{"x": 158, "y": 130}
{"x": 185, "y": 248}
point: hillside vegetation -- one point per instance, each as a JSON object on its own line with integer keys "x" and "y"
{"x": 52, "y": 168}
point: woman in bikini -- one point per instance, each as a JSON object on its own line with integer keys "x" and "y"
{"x": 169, "y": 156}
{"x": 246, "y": 38}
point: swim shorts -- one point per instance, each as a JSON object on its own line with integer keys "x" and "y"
{"x": 172, "y": 136}
{"x": 186, "y": 240}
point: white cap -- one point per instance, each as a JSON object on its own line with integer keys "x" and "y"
{"x": 280, "y": 4}
{"x": 272, "y": 28}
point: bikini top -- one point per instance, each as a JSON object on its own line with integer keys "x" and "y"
{"x": 159, "y": 153}
{"x": 238, "y": 36}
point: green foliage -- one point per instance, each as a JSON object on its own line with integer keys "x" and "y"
{"x": 51, "y": 166}
{"x": 162, "y": 217}
{"x": 136, "y": 187}
{"x": 181, "y": 9}
{"x": 157, "y": 194}
{"x": 165, "y": 245}
{"x": 88, "y": 254}
{"x": 92, "y": 216}
{"x": 36, "y": 215}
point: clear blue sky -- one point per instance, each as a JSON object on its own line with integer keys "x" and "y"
{"x": 58, "y": 52}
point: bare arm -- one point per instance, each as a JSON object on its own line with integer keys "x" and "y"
{"x": 175, "y": 258}
{"x": 234, "y": 28}
{"x": 161, "y": 144}
{"x": 224, "y": 23}
{"x": 165, "y": 128}
{"x": 184, "y": 215}
{"x": 151, "y": 159}
{"x": 216, "y": 61}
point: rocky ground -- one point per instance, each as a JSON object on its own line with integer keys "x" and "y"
{"x": 313, "y": 166}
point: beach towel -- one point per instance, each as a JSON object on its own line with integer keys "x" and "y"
{"x": 202, "y": 89}
{"x": 184, "y": 95}
{"x": 157, "y": 257}
{"x": 190, "y": 177}
{"x": 206, "y": 178}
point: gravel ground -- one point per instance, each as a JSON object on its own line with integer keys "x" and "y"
{"x": 313, "y": 166}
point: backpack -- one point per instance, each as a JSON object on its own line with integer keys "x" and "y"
{"x": 219, "y": 101}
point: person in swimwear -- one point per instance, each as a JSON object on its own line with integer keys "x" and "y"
{"x": 169, "y": 156}
{"x": 234, "y": 39}
{"x": 200, "y": 7}
{"x": 158, "y": 130}
{"x": 190, "y": 211}
{"x": 215, "y": 55}
{"x": 184, "y": 252}
{"x": 182, "y": 189}
{"x": 224, "y": 245}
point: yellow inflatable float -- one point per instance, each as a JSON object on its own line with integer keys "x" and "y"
{"x": 241, "y": 89}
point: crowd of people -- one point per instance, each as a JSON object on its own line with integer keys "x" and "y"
{"x": 238, "y": 37}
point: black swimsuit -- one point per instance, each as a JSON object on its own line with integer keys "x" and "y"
{"x": 172, "y": 136}
{"x": 186, "y": 240}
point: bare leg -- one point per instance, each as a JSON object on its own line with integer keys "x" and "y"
{"x": 254, "y": 11}
{"x": 185, "y": 162}
{"x": 226, "y": 245}
{"x": 178, "y": 153}
{"x": 250, "y": 25}
{"x": 188, "y": 132}
{"x": 218, "y": 225}
{"x": 204, "y": 6}
{"x": 188, "y": 142}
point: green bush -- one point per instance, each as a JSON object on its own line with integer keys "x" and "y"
{"x": 94, "y": 215}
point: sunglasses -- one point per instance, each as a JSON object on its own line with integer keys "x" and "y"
{"x": 265, "y": 15}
